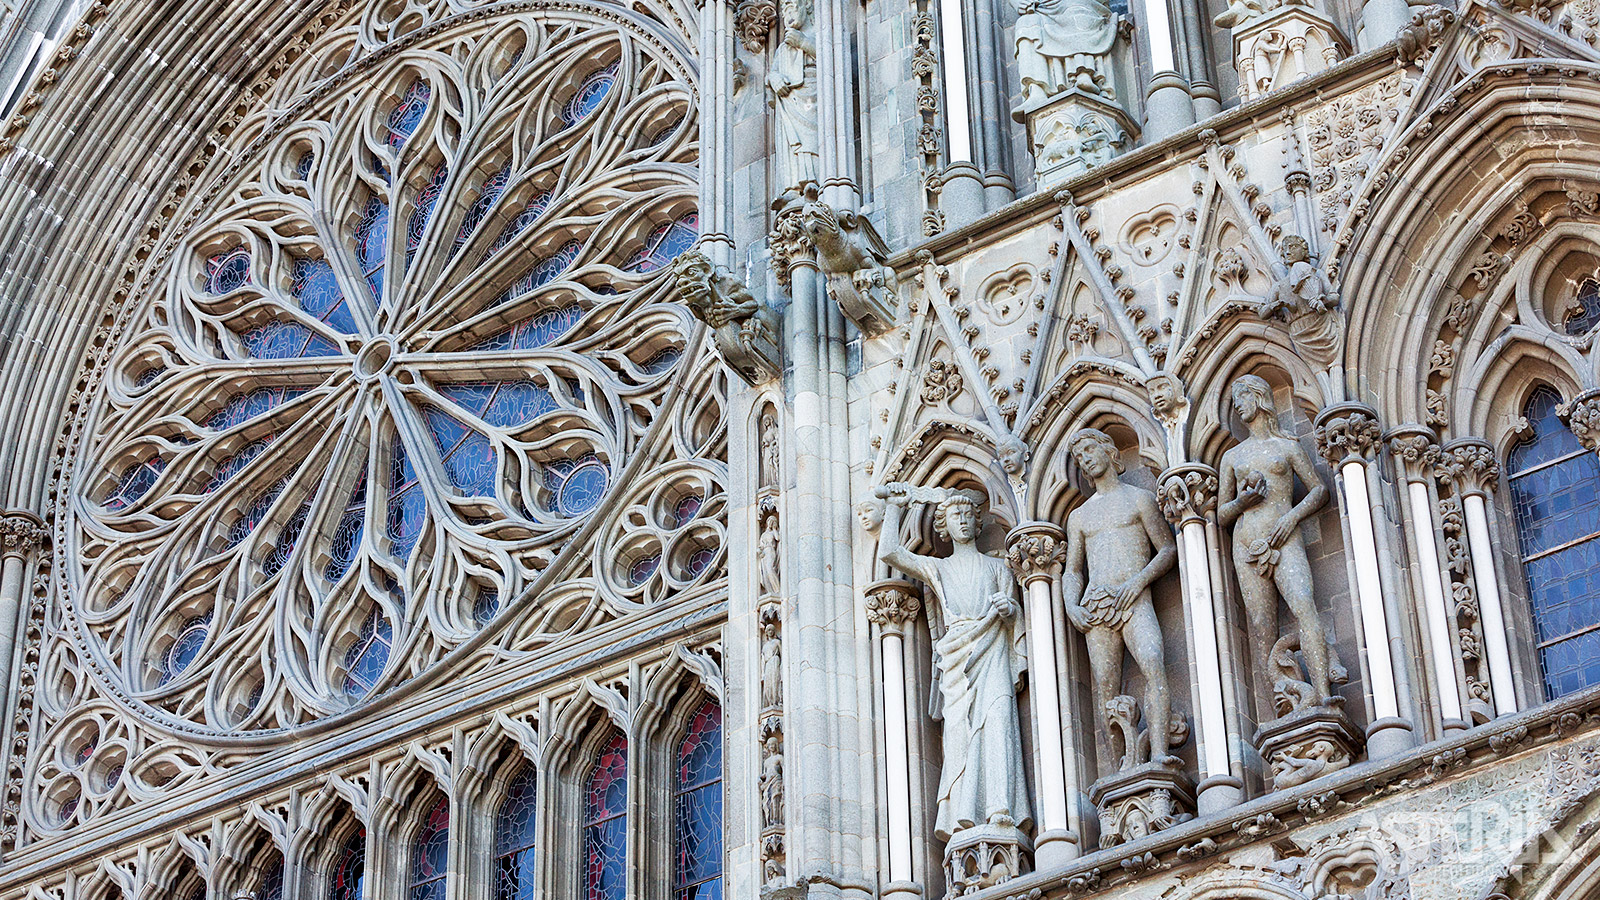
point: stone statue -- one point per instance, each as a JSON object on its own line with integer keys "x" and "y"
{"x": 745, "y": 331}
{"x": 1307, "y": 301}
{"x": 978, "y": 661}
{"x": 771, "y": 658}
{"x": 1118, "y": 544}
{"x": 1063, "y": 44}
{"x": 767, "y": 552}
{"x": 793, "y": 82}
{"x": 770, "y": 454}
{"x": 1256, "y": 497}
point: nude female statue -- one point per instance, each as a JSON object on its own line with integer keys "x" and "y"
{"x": 1256, "y": 494}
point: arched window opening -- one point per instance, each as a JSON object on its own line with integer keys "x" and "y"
{"x": 1584, "y": 313}
{"x": 430, "y": 852}
{"x": 349, "y": 868}
{"x": 697, "y": 806}
{"x": 1555, "y": 489}
{"x": 515, "y": 837}
{"x": 270, "y": 886}
{"x": 605, "y": 822}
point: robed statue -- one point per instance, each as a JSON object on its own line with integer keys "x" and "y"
{"x": 1063, "y": 44}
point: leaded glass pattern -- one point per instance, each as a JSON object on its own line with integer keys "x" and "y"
{"x": 191, "y": 637}
{"x": 1555, "y": 491}
{"x": 345, "y": 881}
{"x": 516, "y": 837}
{"x": 352, "y": 460}
{"x": 666, "y": 244}
{"x": 697, "y": 808}
{"x": 605, "y": 822}
{"x": 1585, "y": 312}
{"x": 271, "y": 885}
{"x": 430, "y": 852}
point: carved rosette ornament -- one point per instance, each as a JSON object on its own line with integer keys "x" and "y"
{"x": 1582, "y": 416}
{"x": 1348, "y": 432}
{"x": 1037, "y": 551}
{"x": 892, "y": 604}
{"x": 1470, "y": 464}
{"x": 20, "y": 534}
{"x": 1188, "y": 493}
{"x": 1415, "y": 449}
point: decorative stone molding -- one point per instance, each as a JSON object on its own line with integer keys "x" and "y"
{"x": 1470, "y": 464}
{"x": 1074, "y": 132}
{"x": 1036, "y": 550}
{"x": 893, "y": 603}
{"x": 20, "y": 533}
{"x": 1416, "y": 449}
{"x": 745, "y": 331}
{"x": 1188, "y": 493}
{"x": 1275, "y": 47}
{"x": 1582, "y": 415}
{"x": 1348, "y": 432}
{"x": 984, "y": 856}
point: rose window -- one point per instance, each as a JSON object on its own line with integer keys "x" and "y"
{"x": 400, "y": 359}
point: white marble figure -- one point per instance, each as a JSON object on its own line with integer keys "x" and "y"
{"x": 1256, "y": 496}
{"x": 771, "y": 459}
{"x": 1118, "y": 544}
{"x": 793, "y": 82}
{"x": 978, "y": 659}
{"x": 1063, "y": 44}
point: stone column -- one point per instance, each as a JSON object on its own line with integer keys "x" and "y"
{"x": 1417, "y": 453}
{"x": 893, "y": 605}
{"x": 1169, "y": 107}
{"x": 1381, "y": 21}
{"x": 1471, "y": 464}
{"x": 1348, "y": 437}
{"x": 20, "y": 534}
{"x": 961, "y": 193}
{"x": 1036, "y": 553}
{"x": 1189, "y": 501}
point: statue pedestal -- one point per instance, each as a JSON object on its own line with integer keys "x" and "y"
{"x": 1307, "y": 743}
{"x": 1284, "y": 45}
{"x": 1072, "y": 132}
{"x": 983, "y": 856}
{"x": 1142, "y": 800}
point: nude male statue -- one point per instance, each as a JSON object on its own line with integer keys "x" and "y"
{"x": 1118, "y": 543}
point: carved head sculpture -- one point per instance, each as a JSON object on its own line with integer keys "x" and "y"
{"x": 693, "y": 272}
{"x": 870, "y": 514}
{"x": 1095, "y": 452}
{"x": 1013, "y": 455}
{"x": 797, "y": 14}
{"x": 1252, "y": 397}
{"x": 820, "y": 224}
{"x": 1294, "y": 249}
{"x": 956, "y": 517}
{"x": 1166, "y": 395}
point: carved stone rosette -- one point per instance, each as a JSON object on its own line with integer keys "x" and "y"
{"x": 20, "y": 534}
{"x": 1037, "y": 550}
{"x": 1415, "y": 449}
{"x": 1582, "y": 416}
{"x": 1188, "y": 493}
{"x": 892, "y": 604}
{"x": 1470, "y": 465}
{"x": 1348, "y": 432}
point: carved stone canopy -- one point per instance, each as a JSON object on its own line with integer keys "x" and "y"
{"x": 1348, "y": 432}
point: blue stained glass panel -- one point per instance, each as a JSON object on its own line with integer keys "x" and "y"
{"x": 372, "y": 240}
{"x": 485, "y": 605}
{"x": 279, "y": 557}
{"x": 503, "y": 404}
{"x": 699, "y": 561}
{"x": 346, "y": 540}
{"x": 1585, "y": 313}
{"x": 666, "y": 244}
{"x": 542, "y": 273}
{"x": 314, "y": 286}
{"x": 1549, "y": 440}
{"x": 468, "y": 457}
{"x": 427, "y": 199}
{"x": 149, "y": 375}
{"x": 365, "y": 660}
{"x": 186, "y": 648}
{"x": 605, "y": 823}
{"x": 230, "y": 466}
{"x": 285, "y": 340}
{"x": 589, "y": 95}
{"x": 516, "y": 836}
{"x": 302, "y": 166}
{"x": 516, "y": 226}
{"x": 254, "y": 514}
{"x": 405, "y": 118}
{"x": 247, "y": 405}
{"x": 686, "y": 510}
{"x": 577, "y": 484}
{"x": 662, "y": 360}
{"x": 698, "y": 807}
{"x": 349, "y": 869}
{"x": 488, "y": 195}
{"x": 539, "y": 330}
{"x": 407, "y": 507}
{"x": 429, "y": 854}
{"x": 643, "y": 568}
{"x": 135, "y": 482}
{"x": 227, "y": 272}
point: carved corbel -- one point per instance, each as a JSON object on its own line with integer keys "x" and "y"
{"x": 745, "y": 331}
{"x": 1582, "y": 415}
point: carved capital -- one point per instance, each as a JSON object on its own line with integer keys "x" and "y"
{"x": 753, "y": 20}
{"x": 1036, "y": 550}
{"x": 20, "y": 533}
{"x": 1348, "y": 432}
{"x": 791, "y": 246}
{"x": 1582, "y": 415}
{"x": 892, "y": 604}
{"x": 1188, "y": 493}
{"x": 1470, "y": 464}
{"x": 1415, "y": 448}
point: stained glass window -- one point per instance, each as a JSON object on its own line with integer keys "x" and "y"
{"x": 279, "y": 339}
{"x": 314, "y": 286}
{"x": 666, "y": 244}
{"x": 576, "y": 485}
{"x": 234, "y": 463}
{"x": 254, "y": 514}
{"x": 427, "y": 198}
{"x": 488, "y": 195}
{"x": 284, "y": 547}
{"x": 1585, "y": 311}
{"x": 503, "y": 404}
{"x": 227, "y": 272}
{"x": 405, "y": 118}
{"x": 698, "y": 808}
{"x": 699, "y": 561}
{"x": 686, "y": 509}
{"x": 347, "y": 534}
{"x": 643, "y": 568}
{"x": 662, "y": 360}
{"x": 429, "y": 854}
{"x": 271, "y": 884}
{"x": 515, "y": 837}
{"x": 372, "y": 239}
{"x": 516, "y": 226}
{"x": 302, "y": 166}
{"x": 366, "y": 658}
{"x": 535, "y": 331}
{"x": 407, "y": 506}
{"x": 243, "y": 407}
{"x": 486, "y": 605}
{"x": 1555, "y": 489}
{"x": 135, "y": 482}
{"x": 605, "y": 822}
{"x": 349, "y": 869}
{"x": 467, "y": 455}
{"x": 542, "y": 272}
{"x": 589, "y": 94}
